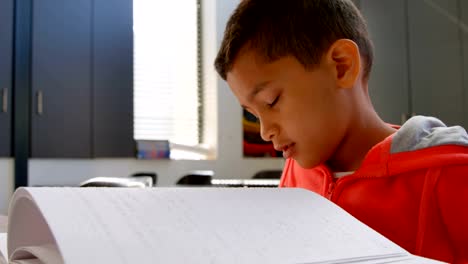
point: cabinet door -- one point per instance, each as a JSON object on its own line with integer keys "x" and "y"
{"x": 113, "y": 79}
{"x": 61, "y": 78}
{"x": 6, "y": 52}
{"x": 463, "y": 28}
{"x": 436, "y": 60}
{"x": 388, "y": 84}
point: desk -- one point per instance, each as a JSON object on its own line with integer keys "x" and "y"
{"x": 3, "y": 223}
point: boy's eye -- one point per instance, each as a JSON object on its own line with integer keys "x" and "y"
{"x": 274, "y": 102}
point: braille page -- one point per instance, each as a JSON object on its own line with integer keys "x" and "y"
{"x": 3, "y": 248}
{"x": 204, "y": 225}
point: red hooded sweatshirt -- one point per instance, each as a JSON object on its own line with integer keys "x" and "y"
{"x": 412, "y": 188}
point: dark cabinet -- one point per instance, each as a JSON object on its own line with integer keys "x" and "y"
{"x": 82, "y": 79}
{"x": 6, "y": 84}
{"x": 113, "y": 79}
{"x": 61, "y": 79}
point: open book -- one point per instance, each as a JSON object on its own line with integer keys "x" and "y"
{"x": 185, "y": 225}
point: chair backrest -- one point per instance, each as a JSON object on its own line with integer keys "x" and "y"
{"x": 139, "y": 180}
{"x": 268, "y": 174}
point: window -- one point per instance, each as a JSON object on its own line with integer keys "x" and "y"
{"x": 167, "y": 95}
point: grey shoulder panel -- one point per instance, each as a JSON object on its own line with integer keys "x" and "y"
{"x": 421, "y": 132}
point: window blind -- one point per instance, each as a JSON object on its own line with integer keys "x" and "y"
{"x": 167, "y": 97}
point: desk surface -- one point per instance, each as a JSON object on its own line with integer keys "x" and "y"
{"x": 3, "y": 223}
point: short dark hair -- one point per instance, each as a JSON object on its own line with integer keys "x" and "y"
{"x": 304, "y": 29}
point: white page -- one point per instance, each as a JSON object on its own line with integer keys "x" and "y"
{"x": 417, "y": 260}
{"x": 408, "y": 259}
{"x": 27, "y": 261}
{"x": 170, "y": 225}
{"x": 3, "y": 248}
{"x": 27, "y": 227}
{"x": 43, "y": 253}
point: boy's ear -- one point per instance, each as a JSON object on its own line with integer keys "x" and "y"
{"x": 345, "y": 60}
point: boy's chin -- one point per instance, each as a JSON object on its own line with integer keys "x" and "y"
{"x": 306, "y": 164}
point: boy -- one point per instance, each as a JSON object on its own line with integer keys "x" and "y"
{"x": 302, "y": 68}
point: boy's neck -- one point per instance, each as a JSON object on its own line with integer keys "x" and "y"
{"x": 364, "y": 132}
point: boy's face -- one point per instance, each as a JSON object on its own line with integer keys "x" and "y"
{"x": 300, "y": 110}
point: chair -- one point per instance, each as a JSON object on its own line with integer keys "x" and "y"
{"x": 137, "y": 180}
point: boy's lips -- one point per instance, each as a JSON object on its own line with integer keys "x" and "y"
{"x": 287, "y": 149}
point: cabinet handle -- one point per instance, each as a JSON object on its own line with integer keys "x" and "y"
{"x": 4, "y": 100}
{"x": 39, "y": 102}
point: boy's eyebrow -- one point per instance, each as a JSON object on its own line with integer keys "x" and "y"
{"x": 257, "y": 89}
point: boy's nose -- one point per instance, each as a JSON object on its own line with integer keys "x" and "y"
{"x": 267, "y": 130}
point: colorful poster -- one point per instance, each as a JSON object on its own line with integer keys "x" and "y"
{"x": 254, "y": 145}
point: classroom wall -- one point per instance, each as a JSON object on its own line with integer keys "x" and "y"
{"x": 229, "y": 163}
